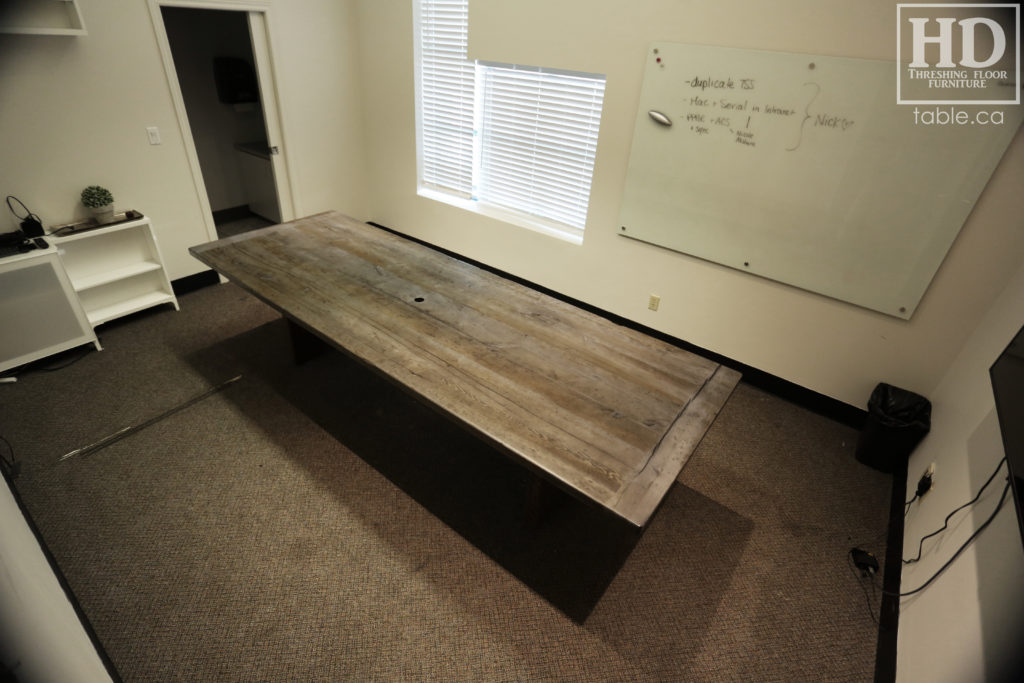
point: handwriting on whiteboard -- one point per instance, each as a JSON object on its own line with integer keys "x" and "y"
{"x": 729, "y": 107}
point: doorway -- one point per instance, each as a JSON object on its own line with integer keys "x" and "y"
{"x": 219, "y": 80}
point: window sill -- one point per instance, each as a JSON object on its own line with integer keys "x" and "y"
{"x": 550, "y": 228}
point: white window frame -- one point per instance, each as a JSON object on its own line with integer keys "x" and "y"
{"x": 473, "y": 202}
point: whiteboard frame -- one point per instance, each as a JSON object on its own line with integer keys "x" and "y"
{"x": 880, "y": 253}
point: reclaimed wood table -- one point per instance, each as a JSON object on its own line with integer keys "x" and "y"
{"x": 604, "y": 411}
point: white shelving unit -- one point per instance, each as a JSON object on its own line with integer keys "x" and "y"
{"x": 39, "y": 311}
{"x": 41, "y": 17}
{"x": 116, "y": 270}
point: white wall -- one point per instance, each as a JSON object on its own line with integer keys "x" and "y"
{"x": 828, "y": 346}
{"x": 74, "y": 112}
{"x": 960, "y": 627}
{"x": 41, "y": 638}
{"x": 314, "y": 46}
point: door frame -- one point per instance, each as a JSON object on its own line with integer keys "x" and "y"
{"x": 262, "y": 47}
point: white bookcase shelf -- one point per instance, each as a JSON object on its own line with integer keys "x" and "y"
{"x": 98, "y": 316}
{"x": 116, "y": 270}
{"x": 42, "y": 17}
{"x": 114, "y": 275}
{"x": 41, "y": 314}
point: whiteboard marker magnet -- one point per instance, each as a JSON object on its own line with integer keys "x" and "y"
{"x": 659, "y": 117}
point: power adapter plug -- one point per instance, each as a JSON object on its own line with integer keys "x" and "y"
{"x": 924, "y": 484}
{"x": 864, "y": 561}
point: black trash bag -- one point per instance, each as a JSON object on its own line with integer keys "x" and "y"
{"x": 897, "y": 421}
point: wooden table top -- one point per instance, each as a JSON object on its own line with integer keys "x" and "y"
{"x": 608, "y": 412}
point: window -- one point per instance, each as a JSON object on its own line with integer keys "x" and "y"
{"x": 516, "y": 141}
{"x": 445, "y": 99}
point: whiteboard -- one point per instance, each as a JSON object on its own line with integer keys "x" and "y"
{"x": 803, "y": 169}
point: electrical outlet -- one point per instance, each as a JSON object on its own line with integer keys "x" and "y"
{"x": 654, "y": 302}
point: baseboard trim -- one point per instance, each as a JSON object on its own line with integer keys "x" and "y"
{"x": 191, "y": 283}
{"x": 794, "y": 393}
{"x": 889, "y": 617}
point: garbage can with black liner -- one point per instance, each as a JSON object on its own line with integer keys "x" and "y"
{"x": 897, "y": 421}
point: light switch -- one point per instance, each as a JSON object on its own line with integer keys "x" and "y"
{"x": 154, "y": 135}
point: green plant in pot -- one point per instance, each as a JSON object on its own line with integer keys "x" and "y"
{"x": 100, "y": 203}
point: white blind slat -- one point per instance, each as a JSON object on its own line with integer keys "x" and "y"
{"x": 446, "y": 96}
{"x": 539, "y": 141}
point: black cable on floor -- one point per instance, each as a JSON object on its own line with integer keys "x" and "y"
{"x": 11, "y": 465}
{"x": 37, "y": 366}
{"x": 859, "y": 577}
{"x": 67, "y": 364}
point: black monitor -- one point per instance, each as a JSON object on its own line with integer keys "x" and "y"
{"x": 1007, "y": 375}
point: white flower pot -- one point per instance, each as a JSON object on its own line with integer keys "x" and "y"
{"x": 103, "y": 214}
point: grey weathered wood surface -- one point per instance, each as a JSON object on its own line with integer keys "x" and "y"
{"x": 608, "y": 412}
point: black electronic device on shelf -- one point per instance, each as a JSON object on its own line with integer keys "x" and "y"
{"x": 27, "y": 236}
{"x": 1007, "y": 375}
{"x": 31, "y": 226}
{"x": 12, "y": 239}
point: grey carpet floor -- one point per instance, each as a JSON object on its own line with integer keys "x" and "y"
{"x": 312, "y": 523}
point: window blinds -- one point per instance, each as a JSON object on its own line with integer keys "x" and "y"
{"x": 538, "y": 141}
{"x": 447, "y": 83}
{"x": 535, "y": 130}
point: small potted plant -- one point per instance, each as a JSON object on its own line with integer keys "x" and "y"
{"x": 100, "y": 203}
